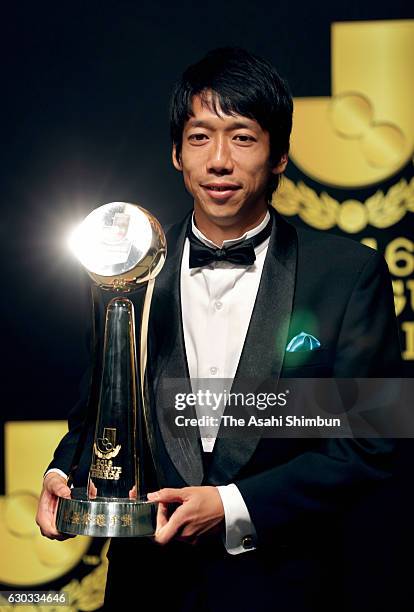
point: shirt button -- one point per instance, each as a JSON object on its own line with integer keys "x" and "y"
{"x": 213, "y": 371}
{"x": 218, "y": 305}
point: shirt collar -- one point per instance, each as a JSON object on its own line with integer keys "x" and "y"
{"x": 249, "y": 234}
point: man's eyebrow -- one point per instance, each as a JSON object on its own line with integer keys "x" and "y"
{"x": 235, "y": 125}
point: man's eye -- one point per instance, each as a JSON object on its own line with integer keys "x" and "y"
{"x": 244, "y": 138}
{"x": 197, "y": 137}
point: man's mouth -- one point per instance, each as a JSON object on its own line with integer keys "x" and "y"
{"x": 220, "y": 191}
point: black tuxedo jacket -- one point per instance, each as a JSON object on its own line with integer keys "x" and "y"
{"x": 295, "y": 489}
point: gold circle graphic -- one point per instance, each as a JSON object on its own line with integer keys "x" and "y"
{"x": 19, "y": 514}
{"x": 352, "y": 216}
{"x": 351, "y": 115}
{"x": 383, "y": 145}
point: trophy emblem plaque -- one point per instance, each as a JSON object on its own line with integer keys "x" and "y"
{"x": 123, "y": 248}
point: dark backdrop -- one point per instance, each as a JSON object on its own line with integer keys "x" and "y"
{"x": 84, "y": 98}
{"x": 85, "y": 90}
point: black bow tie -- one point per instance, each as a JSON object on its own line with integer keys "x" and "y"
{"x": 241, "y": 253}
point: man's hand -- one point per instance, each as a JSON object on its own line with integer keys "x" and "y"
{"x": 54, "y": 486}
{"x": 201, "y": 512}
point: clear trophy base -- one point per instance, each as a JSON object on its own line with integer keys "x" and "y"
{"x": 106, "y": 517}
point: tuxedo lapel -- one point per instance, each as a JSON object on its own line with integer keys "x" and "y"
{"x": 261, "y": 358}
{"x": 170, "y": 361}
{"x": 265, "y": 343}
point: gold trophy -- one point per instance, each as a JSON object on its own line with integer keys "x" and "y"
{"x": 123, "y": 248}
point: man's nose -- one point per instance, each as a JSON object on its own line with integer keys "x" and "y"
{"x": 220, "y": 159}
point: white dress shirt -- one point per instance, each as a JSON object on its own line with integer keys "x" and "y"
{"x": 217, "y": 303}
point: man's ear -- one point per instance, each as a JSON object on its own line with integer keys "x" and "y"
{"x": 281, "y": 166}
{"x": 176, "y": 162}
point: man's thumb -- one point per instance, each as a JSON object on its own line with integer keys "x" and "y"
{"x": 60, "y": 489}
{"x": 63, "y": 491}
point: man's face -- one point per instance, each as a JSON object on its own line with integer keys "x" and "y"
{"x": 225, "y": 164}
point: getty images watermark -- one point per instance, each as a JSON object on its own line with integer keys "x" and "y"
{"x": 306, "y": 407}
{"x": 214, "y": 401}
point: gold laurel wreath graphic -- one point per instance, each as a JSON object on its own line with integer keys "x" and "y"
{"x": 106, "y": 454}
{"x": 85, "y": 594}
{"x": 324, "y": 212}
{"x": 88, "y": 593}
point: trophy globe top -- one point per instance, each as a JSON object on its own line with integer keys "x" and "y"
{"x": 121, "y": 245}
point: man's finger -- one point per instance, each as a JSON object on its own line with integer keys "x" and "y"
{"x": 171, "y": 528}
{"x": 47, "y": 525}
{"x": 53, "y": 534}
{"x": 61, "y": 536}
{"x": 92, "y": 490}
{"x": 162, "y": 516}
{"x": 168, "y": 495}
{"x": 64, "y": 536}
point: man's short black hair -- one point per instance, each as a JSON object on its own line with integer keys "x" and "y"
{"x": 243, "y": 84}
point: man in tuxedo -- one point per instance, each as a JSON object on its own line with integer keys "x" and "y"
{"x": 255, "y": 522}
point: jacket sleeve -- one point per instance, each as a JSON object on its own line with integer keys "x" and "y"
{"x": 65, "y": 451}
{"x": 80, "y": 427}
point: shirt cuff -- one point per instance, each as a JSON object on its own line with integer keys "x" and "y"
{"x": 58, "y": 471}
{"x": 240, "y": 533}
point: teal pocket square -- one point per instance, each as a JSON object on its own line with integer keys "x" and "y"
{"x": 303, "y": 342}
